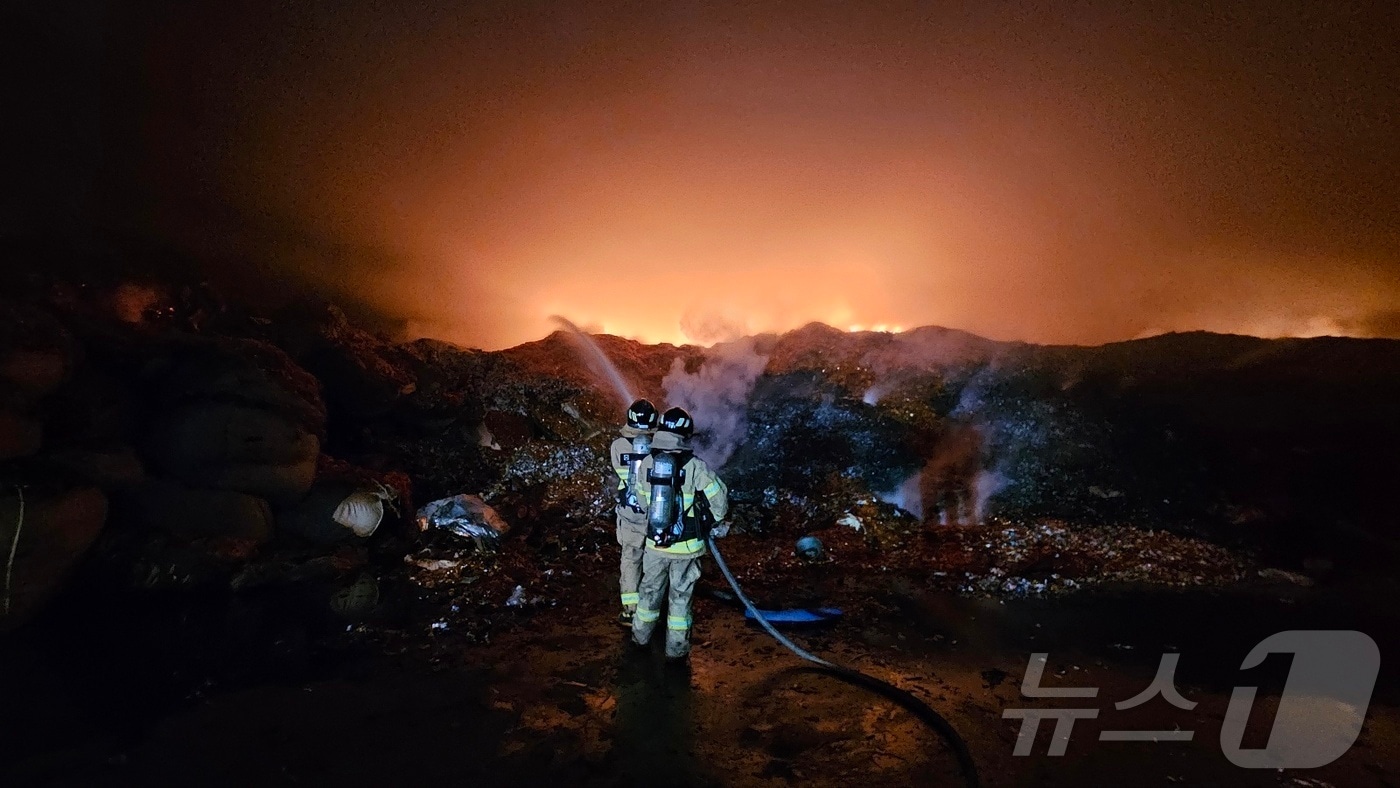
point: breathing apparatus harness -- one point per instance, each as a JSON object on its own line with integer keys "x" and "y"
{"x": 643, "y": 418}
{"x": 667, "y": 520}
{"x": 641, "y": 448}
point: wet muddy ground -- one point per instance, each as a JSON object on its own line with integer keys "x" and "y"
{"x": 557, "y": 696}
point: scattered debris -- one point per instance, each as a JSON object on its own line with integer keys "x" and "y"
{"x": 517, "y": 597}
{"x": 809, "y": 548}
{"x": 444, "y": 569}
{"x": 433, "y": 564}
{"x": 358, "y": 600}
{"x": 363, "y": 510}
{"x": 485, "y": 439}
{"x": 1271, "y": 573}
{"x": 467, "y": 516}
{"x": 1047, "y": 558}
{"x": 230, "y": 451}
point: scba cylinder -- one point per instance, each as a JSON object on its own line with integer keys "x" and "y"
{"x": 641, "y": 447}
{"x": 662, "y": 511}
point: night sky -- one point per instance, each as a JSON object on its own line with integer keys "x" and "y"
{"x": 1052, "y": 172}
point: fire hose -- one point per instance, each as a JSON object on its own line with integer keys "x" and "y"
{"x": 904, "y": 698}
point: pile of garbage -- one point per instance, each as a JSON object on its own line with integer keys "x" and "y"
{"x": 203, "y": 449}
{"x": 178, "y": 457}
{"x": 1051, "y": 558}
{"x": 805, "y": 436}
{"x": 842, "y": 565}
{"x": 468, "y": 571}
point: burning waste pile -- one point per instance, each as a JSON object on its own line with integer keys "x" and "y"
{"x": 248, "y": 452}
{"x": 963, "y": 473}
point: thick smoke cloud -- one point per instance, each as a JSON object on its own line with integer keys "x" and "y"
{"x": 709, "y": 326}
{"x": 717, "y": 396}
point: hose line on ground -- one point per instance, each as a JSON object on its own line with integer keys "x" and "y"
{"x": 919, "y": 708}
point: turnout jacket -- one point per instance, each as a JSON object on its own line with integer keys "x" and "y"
{"x": 698, "y": 478}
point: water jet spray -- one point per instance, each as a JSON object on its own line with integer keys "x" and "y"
{"x": 597, "y": 361}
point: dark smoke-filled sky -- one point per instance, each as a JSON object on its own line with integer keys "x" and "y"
{"x": 1053, "y": 172}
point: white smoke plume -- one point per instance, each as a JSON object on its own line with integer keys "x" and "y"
{"x": 989, "y": 481}
{"x": 984, "y": 486}
{"x": 877, "y": 392}
{"x": 957, "y": 483}
{"x": 717, "y": 396}
{"x": 907, "y": 496}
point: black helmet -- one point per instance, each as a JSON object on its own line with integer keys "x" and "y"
{"x": 642, "y": 415}
{"x": 677, "y": 420}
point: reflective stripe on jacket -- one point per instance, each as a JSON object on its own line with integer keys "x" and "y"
{"x": 619, "y": 447}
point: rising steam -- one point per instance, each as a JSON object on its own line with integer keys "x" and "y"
{"x": 986, "y": 484}
{"x": 717, "y": 396}
{"x": 907, "y": 496}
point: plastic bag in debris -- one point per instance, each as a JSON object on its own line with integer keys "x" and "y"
{"x": 467, "y": 516}
{"x": 363, "y": 510}
{"x": 517, "y": 597}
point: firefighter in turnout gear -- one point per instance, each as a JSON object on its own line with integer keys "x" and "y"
{"x": 685, "y": 501}
{"x": 627, "y": 452}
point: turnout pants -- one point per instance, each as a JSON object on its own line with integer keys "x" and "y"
{"x": 632, "y": 537}
{"x": 660, "y": 571}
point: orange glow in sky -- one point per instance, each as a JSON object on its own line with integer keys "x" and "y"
{"x": 697, "y": 170}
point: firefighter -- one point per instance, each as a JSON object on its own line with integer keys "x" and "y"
{"x": 628, "y": 451}
{"x": 685, "y": 501}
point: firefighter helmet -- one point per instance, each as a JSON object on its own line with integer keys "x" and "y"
{"x": 642, "y": 415}
{"x": 677, "y": 420}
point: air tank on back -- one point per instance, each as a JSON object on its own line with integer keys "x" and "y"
{"x": 662, "y": 511}
{"x": 641, "y": 447}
